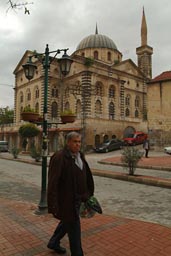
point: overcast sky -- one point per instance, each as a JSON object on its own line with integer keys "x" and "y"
{"x": 64, "y": 23}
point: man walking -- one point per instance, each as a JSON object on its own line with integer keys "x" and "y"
{"x": 146, "y": 146}
{"x": 70, "y": 182}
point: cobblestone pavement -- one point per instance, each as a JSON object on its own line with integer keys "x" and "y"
{"x": 120, "y": 230}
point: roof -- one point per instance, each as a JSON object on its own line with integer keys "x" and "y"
{"x": 165, "y": 76}
{"x": 96, "y": 41}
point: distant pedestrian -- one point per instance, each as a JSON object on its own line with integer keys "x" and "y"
{"x": 70, "y": 182}
{"x": 146, "y": 147}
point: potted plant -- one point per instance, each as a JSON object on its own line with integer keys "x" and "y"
{"x": 29, "y": 114}
{"x": 67, "y": 116}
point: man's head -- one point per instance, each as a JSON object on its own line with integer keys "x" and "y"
{"x": 73, "y": 142}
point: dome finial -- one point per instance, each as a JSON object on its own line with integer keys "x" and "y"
{"x": 96, "y": 32}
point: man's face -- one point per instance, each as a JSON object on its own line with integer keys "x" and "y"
{"x": 74, "y": 144}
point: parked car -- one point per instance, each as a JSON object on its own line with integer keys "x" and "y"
{"x": 135, "y": 138}
{"x": 3, "y": 146}
{"x": 167, "y": 150}
{"x": 109, "y": 145}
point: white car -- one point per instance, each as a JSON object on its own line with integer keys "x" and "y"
{"x": 167, "y": 150}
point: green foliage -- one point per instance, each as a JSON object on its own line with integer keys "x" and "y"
{"x": 28, "y": 109}
{"x": 130, "y": 158}
{"x": 28, "y": 130}
{"x": 35, "y": 153}
{"x": 67, "y": 112}
{"x": 6, "y": 115}
{"x": 15, "y": 151}
{"x": 88, "y": 62}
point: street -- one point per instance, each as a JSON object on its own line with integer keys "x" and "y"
{"x": 21, "y": 182}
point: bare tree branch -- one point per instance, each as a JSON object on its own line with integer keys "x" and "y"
{"x": 17, "y": 6}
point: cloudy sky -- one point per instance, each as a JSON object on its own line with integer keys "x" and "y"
{"x": 65, "y": 23}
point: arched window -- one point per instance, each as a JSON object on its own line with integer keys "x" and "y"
{"x": 136, "y": 113}
{"x": 54, "y": 92}
{"x": 137, "y": 101}
{"x": 109, "y": 56}
{"x": 36, "y": 93}
{"x": 112, "y": 91}
{"x": 82, "y": 54}
{"x": 97, "y": 139}
{"x": 37, "y": 107}
{"x": 99, "y": 89}
{"x": 54, "y": 109}
{"x": 67, "y": 106}
{"x": 78, "y": 108}
{"x": 96, "y": 55}
{"x": 28, "y": 95}
{"x": 67, "y": 92}
{"x": 127, "y": 112}
{"x": 111, "y": 111}
{"x": 98, "y": 108}
{"x": 21, "y": 97}
{"x": 127, "y": 100}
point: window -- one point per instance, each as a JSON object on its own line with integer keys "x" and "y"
{"x": 99, "y": 89}
{"x": 37, "y": 107}
{"x": 96, "y": 55}
{"x": 98, "y": 108}
{"x": 127, "y": 112}
{"x": 67, "y": 106}
{"x": 137, "y": 101}
{"x": 67, "y": 92}
{"x": 109, "y": 56}
{"x": 78, "y": 108}
{"x": 111, "y": 111}
{"x": 136, "y": 113}
{"x": 127, "y": 100}
{"x": 54, "y": 92}
{"x": 111, "y": 91}
{"x": 28, "y": 95}
{"x": 21, "y": 97}
{"x": 54, "y": 109}
{"x": 37, "y": 93}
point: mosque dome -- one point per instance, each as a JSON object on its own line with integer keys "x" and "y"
{"x": 96, "y": 41}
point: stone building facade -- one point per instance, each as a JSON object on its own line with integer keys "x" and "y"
{"x": 159, "y": 109}
{"x": 108, "y": 94}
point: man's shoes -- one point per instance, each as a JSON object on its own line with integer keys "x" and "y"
{"x": 59, "y": 249}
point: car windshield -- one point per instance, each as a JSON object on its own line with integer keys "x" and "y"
{"x": 130, "y": 136}
{"x": 105, "y": 143}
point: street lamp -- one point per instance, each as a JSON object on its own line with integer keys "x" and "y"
{"x": 29, "y": 70}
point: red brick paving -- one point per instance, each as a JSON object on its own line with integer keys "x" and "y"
{"x": 24, "y": 233}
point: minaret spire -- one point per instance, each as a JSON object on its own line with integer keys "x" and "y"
{"x": 96, "y": 32}
{"x": 143, "y": 30}
{"x": 144, "y": 52}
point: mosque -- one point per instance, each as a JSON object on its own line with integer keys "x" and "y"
{"x": 107, "y": 94}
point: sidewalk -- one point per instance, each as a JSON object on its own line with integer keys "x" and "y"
{"x": 22, "y": 233}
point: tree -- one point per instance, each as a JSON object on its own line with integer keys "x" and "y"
{"x": 26, "y": 131}
{"x": 130, "y": 158}
{"x": 6, "y": 115}
{"x": 16, "y": 6}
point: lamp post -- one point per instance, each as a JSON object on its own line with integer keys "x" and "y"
{"x": 29, "y": 70}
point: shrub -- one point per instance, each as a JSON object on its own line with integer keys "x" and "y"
{"x": 28, "y": 130}
{"x": 15, "y": 151}
{"x": 130, "y": 158}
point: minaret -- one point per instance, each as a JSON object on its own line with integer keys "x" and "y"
{"x": 144, "y": 52}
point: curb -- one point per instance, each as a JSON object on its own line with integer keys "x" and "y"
{"x": 160, "y": 168}
{"x": 147, "y": 180}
